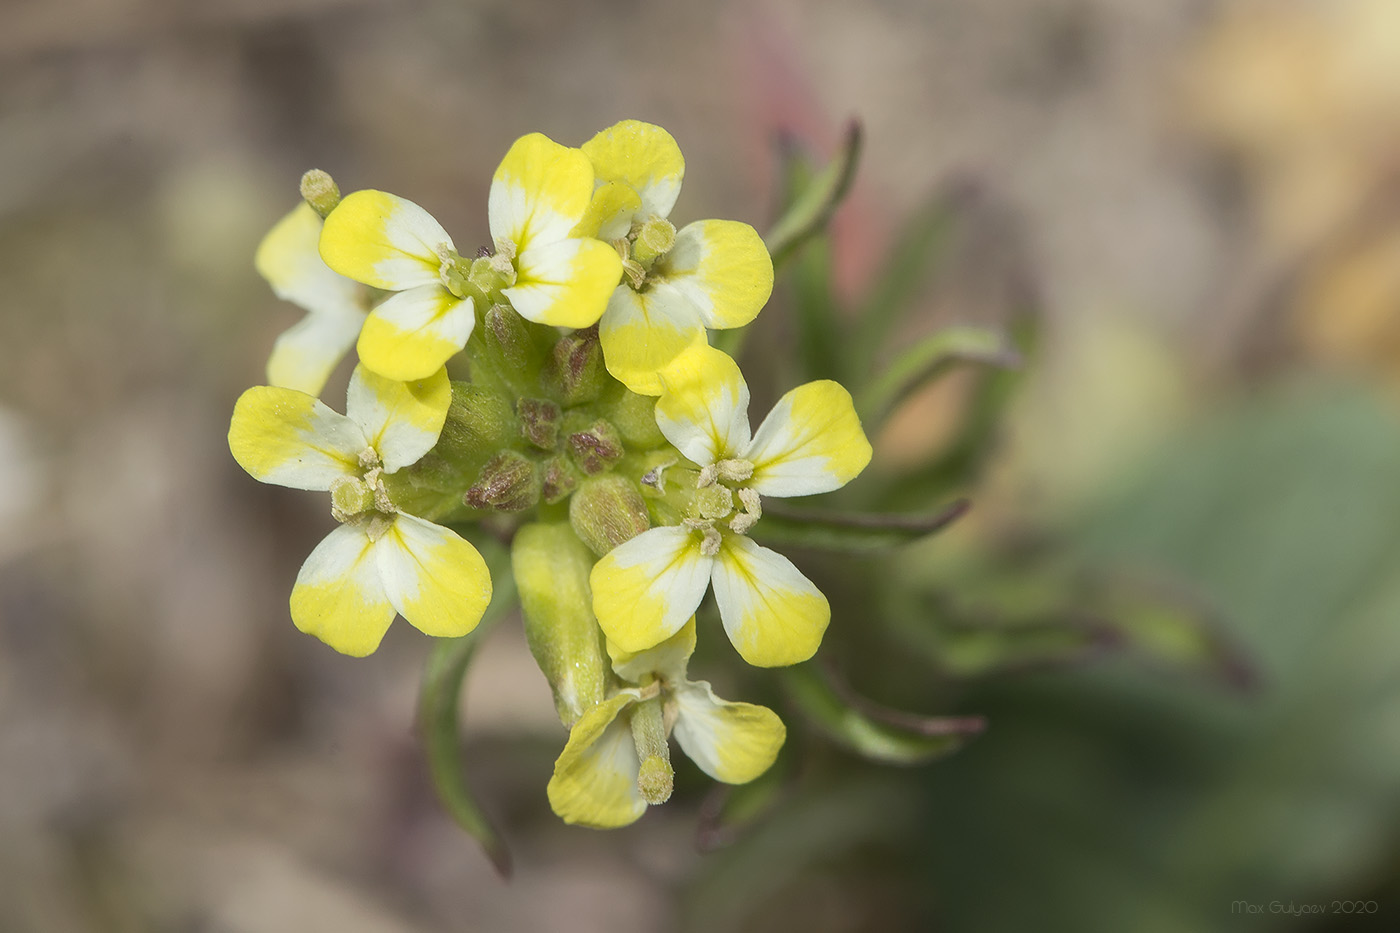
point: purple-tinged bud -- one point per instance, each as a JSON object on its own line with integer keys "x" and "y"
{"x": 539, "y": 421}
{"x": 606, "y": 511}
{"x": 575, "y": 368}
{"x": 508, "y": 483}
{"x": 596, "y": 448}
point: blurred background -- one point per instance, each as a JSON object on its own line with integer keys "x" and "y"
{"x": 1203, "y": 199}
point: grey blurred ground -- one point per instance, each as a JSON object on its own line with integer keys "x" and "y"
{"x": 173, "y": 755}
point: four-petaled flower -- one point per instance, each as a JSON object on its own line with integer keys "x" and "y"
{"x": 379, "y": 560}
{"x": 595, "y": 777}
{"x": 290, "y": 260}
{"x": 712, "y": 273}
{"x": 812, "y": 442}
{"x": 540, "y": 192}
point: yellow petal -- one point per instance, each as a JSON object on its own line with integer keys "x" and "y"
{"x": 411, "y": 334}
{"x": 289, "y": 258}
{"x": 731, "y": 742}
{"x": 540, "y": 192}
{"x": 289, "y": 438}
{"x": 383, "y": 240}
{"x": 667, "y": 660}
{"x": 643, "y": 332}
{"x": 772, "y": 613}
{"x": 401, "y": 419}
{"x": 338, "y": 596}
{"x": 305, "y": 355}
{"x": 645, "y": 588}
{"x": 704, "y": 405}
{"x": 565, "y": 283}
{"x": 810, "y": 442}
{"x": 643, "y": 156}
{"x": 595, "y": 778}
{"x": 610, "y": 213}
{"x": 724, "y": 269}
{"x": 435, "y": 579}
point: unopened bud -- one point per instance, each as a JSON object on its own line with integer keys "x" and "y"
{"x": 508, "y": 483}
{"x": 606, "y": 511}
{"x": 539, "y": 421}
{"x": 575, "y": 368}
{"x": 478, "y": 421}
{"x": 557, "y": 479}
{"x": 634, "y": 416}
{"x": 508, "y": 338}
{"x": 551, "y": 568}
{"x": 320, "y": 191}
{"x": 596, "y": 448}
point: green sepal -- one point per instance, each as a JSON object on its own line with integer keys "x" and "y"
{"x": 439, "y": 699}
{"x": 872, "y": 731}
{"x": 551, "y": 567}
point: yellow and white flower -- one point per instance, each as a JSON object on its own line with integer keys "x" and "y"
{"x": 290, "y": 260}
{"x": 710, "y": 274}
{"x": 379, "y": 561}
{"x": 540, "y": 192}
{"x": 539, "y": 195}
{"x": 595, "y": 780}
{"x": 812, "y": 442}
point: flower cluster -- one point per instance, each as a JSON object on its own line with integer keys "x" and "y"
{"x": 559, "y": 385}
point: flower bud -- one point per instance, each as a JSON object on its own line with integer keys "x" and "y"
{"x": 320, "y": 191}
{"x": 508, "y": 483}
{"x": 634, "y": 416}
{"x": 478, "y": 422}
{"x": 606, "y": 511}
{"x": 575, "y": 367}
{"x": 557, "y": 479}
{"x": 596, "y": 448}
{"x": 509, "y": 339}
{"x": 551, "y": 567}
{"x": 539, "y": 421}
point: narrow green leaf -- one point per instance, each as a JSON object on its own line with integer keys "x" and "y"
{"x": 872, "y": 731}
{"x": 811, "y": 206}
{"x": 976, "y": 438}
{"x": 927, "y": 359}
{"x": 852, "y": 533}
{"x": 438, "y": 700}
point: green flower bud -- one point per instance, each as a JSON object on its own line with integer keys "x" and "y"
{"x": 606, "y": 511}
{"x": 539, "y": 421}
{"x": 634, "y": 416}
{"x": 597, "y": 447}
{"x": 509, "y": 338}
{"x": 557, "y": 479}
{"x": 575, "y": 369}
{"x": 551, "y": 567}
{"x": 508, "y": 483}
{"x": 478, "y": 422}
{"x": 320, "y": 191}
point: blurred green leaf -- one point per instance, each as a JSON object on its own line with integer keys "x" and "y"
{"x": 871, "y": 731}
{"x": 730, "y": 810}
{"x": 976, "y": 438}
{"x": 438, "y": 701}
{"x": 913, "y": 262}
{"x": 852, "y": 533}
{"x": 927, "y": 359}
{"x": 820, "y": 336}
{"x": 811, "y": 198}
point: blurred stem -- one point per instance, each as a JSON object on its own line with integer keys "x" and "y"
{"x": 438, "y": 716}
{"x": 927, "y": 359}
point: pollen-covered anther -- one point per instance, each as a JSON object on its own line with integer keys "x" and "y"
{"x": 751, "y": 513}
{"x": 369, "y": 458}
{"x": 734, "y": 471}
{"x": 636, "y": 273}
{"x": 377, "y": 525}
